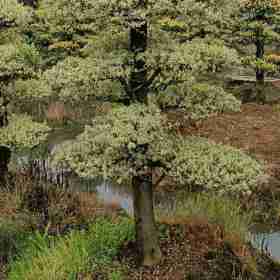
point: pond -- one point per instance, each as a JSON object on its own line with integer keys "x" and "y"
{"x": 263, "y": 237}
{"x": 268, "y": 240}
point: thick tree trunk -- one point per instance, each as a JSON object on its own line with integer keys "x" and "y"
{"x": 260, "y": 76}
{"x": 146, "y": 233}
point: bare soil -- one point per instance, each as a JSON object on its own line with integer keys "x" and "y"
{"x": 255, "y": 130}
{"x": 197, "y": 250}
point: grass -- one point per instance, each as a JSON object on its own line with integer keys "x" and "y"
{"x": 33, "y": 254}
{"x": 79, "y": 253}
{"x": 214, "y": 209}
{"x": 13, "y": 235}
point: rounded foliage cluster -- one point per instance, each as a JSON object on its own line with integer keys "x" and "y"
{"x": 18, "y": 60}
{"x": 13, "y": 13}
{"x": 218, "y": 168}
{"x": 126, "y": 142}
{"x": 198, "y": 101}
{"x": 22, "y": 131}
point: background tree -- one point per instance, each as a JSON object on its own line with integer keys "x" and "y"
{"x": 259, "y": 26}
{"x": 18, "y": 60}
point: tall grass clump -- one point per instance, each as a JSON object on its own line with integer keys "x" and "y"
{"x": 13, "y": 236}
{"x": 219, "y": 210}
{"x": 72, "y": 255}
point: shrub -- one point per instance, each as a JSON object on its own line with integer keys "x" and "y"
{"x": 79, "y": 252}
{"x": 23, "y": 132}
{"x": 215, "y": 167}
{"x": 199, "y": 101}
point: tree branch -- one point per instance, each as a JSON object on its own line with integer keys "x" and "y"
{"x": 152, "y": 78}
{"x": 159, "y": 180}
{"x": 6, "y": 24}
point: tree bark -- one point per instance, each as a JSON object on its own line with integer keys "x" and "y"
{"x": 138, "y": 77}
{"x": 146, "y": 233}
{"x": 5, "y": 152}
{"x": 260, "y": 75}
{"x": 5, "y": 155}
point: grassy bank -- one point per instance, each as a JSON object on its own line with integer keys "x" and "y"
{"x": 75, "y": 237}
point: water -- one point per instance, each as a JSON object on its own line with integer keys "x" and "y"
{"x": 267, "y": 240}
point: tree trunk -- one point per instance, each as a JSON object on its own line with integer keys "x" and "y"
{"x": 5, "y": 153}
{"x": 260, "y": 72}
{"x": 138, "y": 77}
{"x": 146, "y": 233}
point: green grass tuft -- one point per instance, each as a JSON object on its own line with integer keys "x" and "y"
{"x": 215, "y": 209}
{"x": 78, "y": 253}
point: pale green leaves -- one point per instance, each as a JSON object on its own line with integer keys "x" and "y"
{"x": 23, "y": 132}
{"x": 124, "y": 143}
{"x": 211, "y": 18}
{"x": 130, "y": 141}
{"x": 28, "y": 90}
{"x": 219, "y": 168}
{"x": 18, "y": 60}
{"x": 69, "y": 18}
{"x": 13, "y": 14}
{"x": 76, "y": 78}
{"x": 198, "y": 100}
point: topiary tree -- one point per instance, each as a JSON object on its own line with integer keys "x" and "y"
{"x": 129, "y": 62}
{"x": 142, "y": 57}
{"x": 259, "y": 25}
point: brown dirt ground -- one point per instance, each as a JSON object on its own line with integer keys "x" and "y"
{"x": 196, "y": 250}
{"x": 255, "y": 130}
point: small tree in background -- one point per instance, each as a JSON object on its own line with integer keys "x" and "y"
{"x": 259, "y": 25}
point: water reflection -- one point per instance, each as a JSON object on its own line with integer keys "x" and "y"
{"x": 121, "y": 196}
{"x": 268, "y": 242}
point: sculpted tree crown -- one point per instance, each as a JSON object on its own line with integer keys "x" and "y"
{"x": 128, "y": 141}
